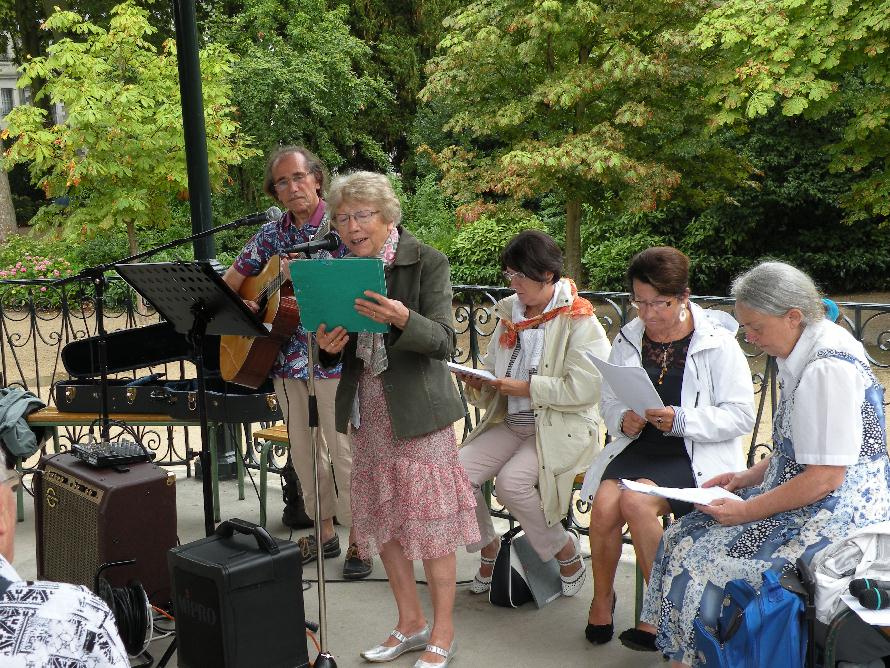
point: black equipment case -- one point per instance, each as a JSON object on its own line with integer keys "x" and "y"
{"x": 238, "y": 600}
{"x": 150, "y": 346}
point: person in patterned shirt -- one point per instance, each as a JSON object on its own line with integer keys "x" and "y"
{"x": 296, "y": 178}
{"x": 48, "y": 623}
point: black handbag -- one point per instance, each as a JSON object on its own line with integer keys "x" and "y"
{"x": 520, "y": 576}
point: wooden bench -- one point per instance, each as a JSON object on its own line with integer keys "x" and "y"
{"x": 264, "y": 440}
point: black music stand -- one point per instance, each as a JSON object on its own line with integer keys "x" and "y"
{"x": 196, "y": 300}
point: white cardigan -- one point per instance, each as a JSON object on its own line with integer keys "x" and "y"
{"x": 716, "y": 402}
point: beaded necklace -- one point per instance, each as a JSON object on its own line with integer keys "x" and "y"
{"x": 667, "y": 356}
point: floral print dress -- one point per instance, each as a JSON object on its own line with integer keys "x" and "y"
{"x": 411, "y": 490}
{"x": 697, "y": 556}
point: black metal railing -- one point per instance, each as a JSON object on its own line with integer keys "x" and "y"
{"x": 475, "y": 322}
{"x": 38, "y": 318}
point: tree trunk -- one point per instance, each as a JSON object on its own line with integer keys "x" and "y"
{"x": 131, "y": 237}
{"x": 7, "y": 210}
{"x": 573, "y": 240}
{"x": 573, "y": 205}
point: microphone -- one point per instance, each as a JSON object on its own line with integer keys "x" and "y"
{"x": 329, "y": 242}
{"x": 875, "y": 599}
{"x": 270, "y": 215}
{"x": 859, "y": 585}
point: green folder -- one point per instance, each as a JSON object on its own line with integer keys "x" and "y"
{"x": 326, "y": 291}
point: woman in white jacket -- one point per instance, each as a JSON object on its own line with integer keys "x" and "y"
{"x": 541, "y": 420}
{"x": 701, "y": 374}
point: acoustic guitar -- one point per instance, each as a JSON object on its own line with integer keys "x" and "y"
{"x": 247, "y": 360}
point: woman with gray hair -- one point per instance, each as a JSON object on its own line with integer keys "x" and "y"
{"x": 828, "y": 474}
{"x": 411, "y": 499}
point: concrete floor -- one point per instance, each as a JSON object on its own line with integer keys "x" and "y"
{"x": 360, "y": 614}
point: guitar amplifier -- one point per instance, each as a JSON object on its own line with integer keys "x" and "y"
{"x": 86, "y": 517}
{"x": 238, "y": 599}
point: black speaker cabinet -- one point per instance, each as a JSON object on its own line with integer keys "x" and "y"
{"x": 90, "y": 516}
{"x": 238, "y": 600}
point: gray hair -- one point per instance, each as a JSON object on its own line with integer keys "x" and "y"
{"x": 365, "y": 187}
{"x": 775, "y": 288}
{"x": 313, "y": 164}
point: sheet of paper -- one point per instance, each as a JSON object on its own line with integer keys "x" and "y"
{"x": 326, "y": 291}
{"x": 873, "y": 617}
{"x": 700, "y": 495}
{"x": 631, "y": 384}
{"x": 470, "y": 371}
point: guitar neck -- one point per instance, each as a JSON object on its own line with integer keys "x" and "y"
{"x": 272, "y": 286}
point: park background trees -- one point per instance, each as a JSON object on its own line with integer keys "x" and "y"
{"x": 117, "y": 160}
{"x": 732, "y": 130}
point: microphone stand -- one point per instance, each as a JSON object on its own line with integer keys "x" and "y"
{"x": 324, "y": 659}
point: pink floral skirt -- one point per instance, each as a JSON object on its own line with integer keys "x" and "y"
{"x": 411, "y": 490}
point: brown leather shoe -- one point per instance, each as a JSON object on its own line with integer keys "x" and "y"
{"x": 309, "y": 550}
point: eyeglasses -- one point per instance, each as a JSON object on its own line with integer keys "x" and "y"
{"x": 296, "y": 177}
{"x": 654, "y": 304}
{"x": 13, "y": 480}
{"x": 360, "y": 217}
{"x": 510, "y": 275}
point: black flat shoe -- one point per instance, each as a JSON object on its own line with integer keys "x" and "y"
{"x": 356, "y": 568}
{"x": 600, "y": 634}
{"x": 639, "y": 640}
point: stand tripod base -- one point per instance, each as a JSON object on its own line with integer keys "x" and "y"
{"x": 324, "y": 660}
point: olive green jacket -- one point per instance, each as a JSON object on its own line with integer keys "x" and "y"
{"x": 420, "y": 392}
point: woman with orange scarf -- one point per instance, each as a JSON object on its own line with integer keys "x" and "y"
{"x": 541, "y": 423}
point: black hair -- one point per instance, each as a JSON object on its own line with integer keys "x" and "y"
{"x": 534, "y": 254}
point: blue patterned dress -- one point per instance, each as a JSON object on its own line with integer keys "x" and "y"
{"x": 697, "y": 556}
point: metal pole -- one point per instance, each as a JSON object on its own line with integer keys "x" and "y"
{"x": 190, "y": 92}
{"x": 325, "y": 659}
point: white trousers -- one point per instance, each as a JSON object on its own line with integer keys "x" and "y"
{"x": 334, "y": 449}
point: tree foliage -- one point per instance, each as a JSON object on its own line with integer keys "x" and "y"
{"x": 301, "y": 79}
{"x": 811, "y": 58}
{"x": 118, "y": 158}
{"x": 402, "y": 35}
{"x": 788, "y": 209}
{"x": 594, "y": 102}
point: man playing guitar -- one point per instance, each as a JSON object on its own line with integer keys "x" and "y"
{"x": 296, "y": 178}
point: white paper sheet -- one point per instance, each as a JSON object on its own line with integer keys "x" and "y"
{"x": 631, "y": 384}
{"x": 700, "y": 495}
{"x": 873, "y": 617}
{"x": 470, "y": 371}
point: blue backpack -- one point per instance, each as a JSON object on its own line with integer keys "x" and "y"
{"x": 762, "y": 628}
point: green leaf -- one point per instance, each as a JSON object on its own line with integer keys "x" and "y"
{"x": 794, "y": 106}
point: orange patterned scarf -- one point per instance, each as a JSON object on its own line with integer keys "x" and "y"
{"x": 579, "y": 308}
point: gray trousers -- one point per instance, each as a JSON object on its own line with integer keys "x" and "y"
{"x": 509, "y": 453}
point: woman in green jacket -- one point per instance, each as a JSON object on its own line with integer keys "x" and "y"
{"x": 410, "y": 497}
